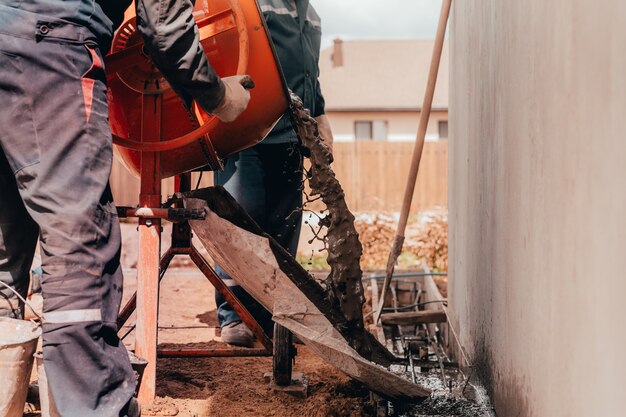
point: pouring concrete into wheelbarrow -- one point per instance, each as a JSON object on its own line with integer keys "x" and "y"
{"x": 280, "y": 284}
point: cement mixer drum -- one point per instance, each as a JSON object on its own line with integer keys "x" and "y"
{"x": 236, "y": 41}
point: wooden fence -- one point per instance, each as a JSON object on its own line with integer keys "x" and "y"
{"x": 373, "y": 175}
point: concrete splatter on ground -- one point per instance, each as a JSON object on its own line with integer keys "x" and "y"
{"x": 446, "y": 405}
{"x": 452, "y": 398}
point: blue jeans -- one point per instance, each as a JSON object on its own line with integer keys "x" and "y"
{"x": 266, "y": 180}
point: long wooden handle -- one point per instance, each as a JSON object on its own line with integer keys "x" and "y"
{"x": 417, "y": 151}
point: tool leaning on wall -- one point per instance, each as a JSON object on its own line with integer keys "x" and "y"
{"x": 417, "y": 153}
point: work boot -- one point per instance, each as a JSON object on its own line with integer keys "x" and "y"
{"x": 237, "y": 334}
{"x": 33, "y": 404}
{"x": 134, "y": 409}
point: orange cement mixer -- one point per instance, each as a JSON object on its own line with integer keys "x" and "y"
{"x": 236, "y": 41}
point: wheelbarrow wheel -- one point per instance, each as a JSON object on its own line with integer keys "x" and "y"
{"x": 283, "y": 355}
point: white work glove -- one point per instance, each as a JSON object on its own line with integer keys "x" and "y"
{"x": 236, "y": 98}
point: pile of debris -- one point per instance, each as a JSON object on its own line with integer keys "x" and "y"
{"x": 376, "y": 232}
{"x": 429, "y": 242}
{"x": 426, "y": 240}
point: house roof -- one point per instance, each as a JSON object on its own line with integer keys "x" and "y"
{"x": 381, "y": 75}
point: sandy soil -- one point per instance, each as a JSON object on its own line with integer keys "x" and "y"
{"x": 233, "y": 387}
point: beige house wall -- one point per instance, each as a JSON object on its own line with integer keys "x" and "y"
{"x": 402, "y": 126}
{"x": 538, "y": 202}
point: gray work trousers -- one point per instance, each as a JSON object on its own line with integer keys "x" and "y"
{"x": 55, "y": 161}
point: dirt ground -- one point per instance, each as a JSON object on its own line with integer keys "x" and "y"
{"x": 233, "y": 387}
{"x": 227, "y": 387}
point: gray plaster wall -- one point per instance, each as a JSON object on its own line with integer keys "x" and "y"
{"x": 538, "y": 202}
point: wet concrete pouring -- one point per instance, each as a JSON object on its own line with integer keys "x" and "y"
{"x": 344, "y": 283}
{"x": 453, "y": 394}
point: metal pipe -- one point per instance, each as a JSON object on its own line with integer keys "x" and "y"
{"x": 408, "y": 275}
{"x": 171, "y": 213}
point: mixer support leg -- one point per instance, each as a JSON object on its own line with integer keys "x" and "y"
{"x": 149, "y": 249}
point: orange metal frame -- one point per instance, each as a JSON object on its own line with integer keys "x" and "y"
{"x": 157, "y": 147}
{"x": 151, "y": 269}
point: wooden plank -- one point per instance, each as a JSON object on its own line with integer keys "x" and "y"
{"x": 414, "y": 317}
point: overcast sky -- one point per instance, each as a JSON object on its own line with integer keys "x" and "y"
{"x": 377, "y": 19}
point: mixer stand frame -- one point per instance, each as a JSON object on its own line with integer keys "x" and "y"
{"x": 151, "y": 267}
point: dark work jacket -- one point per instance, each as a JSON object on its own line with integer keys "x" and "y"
{"x": 167, "y": 26}
{"x": 297, "y": 34}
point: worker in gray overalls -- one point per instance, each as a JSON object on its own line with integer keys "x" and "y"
{"x": 55, "y": 160}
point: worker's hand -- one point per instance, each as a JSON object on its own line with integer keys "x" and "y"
{"x": 326, "y": 133}
{"x": 236, "y": 98}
